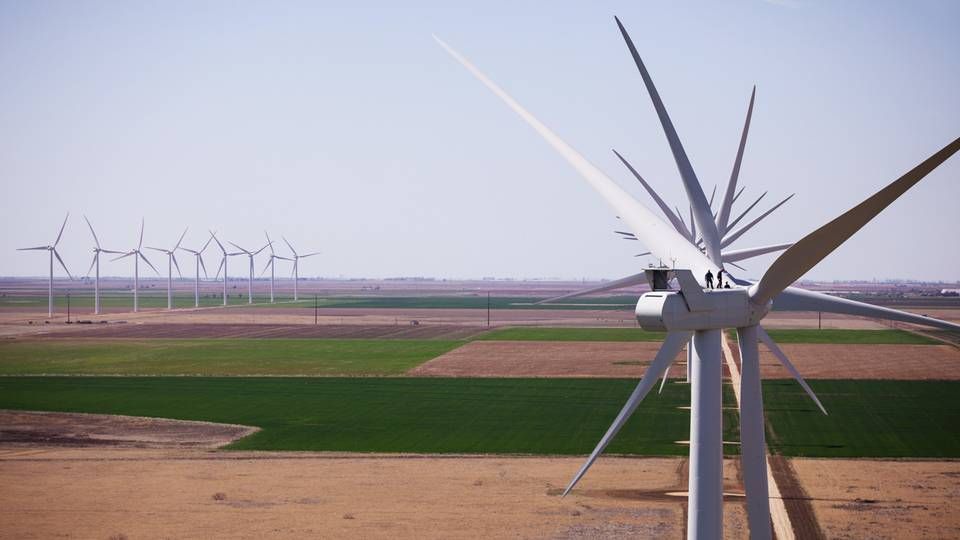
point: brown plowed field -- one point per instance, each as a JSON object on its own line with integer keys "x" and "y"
{"x": 347, "y": 331}
{"x": 546, "y": 359}
{"x": 610, "y": 359}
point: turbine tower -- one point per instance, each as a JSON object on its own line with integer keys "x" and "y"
{"x": 296, "y": 267}
{"x": 52, "y": 252}
{"x": 223, "y": 264}
{"x": 271, "y": 263}
{"x": 137, "y": 255}
{"x": 698, "y": 315}
{"x": 171, "y": 262}
{"x": 250, "y": 255}
{"x": 97, "y": 250}
{"x": 198, "y": 263}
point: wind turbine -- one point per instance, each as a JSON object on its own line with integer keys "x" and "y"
{"x": 97, "y": 250}
{"x": 296, "y": 266}
{"x": 198, "y": 263}
{"x": 271, "y": 263}
{"x": 250, "y": 255}
{"x": 171, "y": 262}
{"x": 223, "y": 264}
{"x": 52, "y": 251}
{"x": 137, "y": 255}
{"x": 701, "y": 315}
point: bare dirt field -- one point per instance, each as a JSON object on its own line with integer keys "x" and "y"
{"x": 544, "y": 359}
{"x": 609, "y": 359}
{"x": 883, "y": 499}
{"x": 247, "y": 331}
{"x": 28, "y": 429}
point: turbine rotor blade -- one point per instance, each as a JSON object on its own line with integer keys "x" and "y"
{"x": 733, "y": 236}
{"x": 656, "y": 235}
{"x": 34, "y": 248}
{"x": 288, "y": 245}
{"x": 308, "y": 255}
{"x": 200, "y": 258}
{"x": 671, "y": 347}
{"x": 222, "y": 260}
{"x": 621, "y": 283}
{"x": 181, "y": 238}
{"x": 702, "y": 213}
{"x": 91, "y": 232}
{"x": 674, "y": 220}
{"x": 745, "y": 212}
{"x": 723, "y": 215}
{"x": 812, "y": 249}
{"x": 173, "y": 256}
{"x": 140, "y": 244}
{"x": 62, "y": 264}
{"x": 748, "y": 253}
{"x": 144, "y": 257}
{"x": 61, "y": 231}
{"x": 93, "y": 262}
{"x": 775, "y": 349}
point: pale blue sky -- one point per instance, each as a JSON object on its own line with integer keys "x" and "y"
{"x": 344, "y": 127}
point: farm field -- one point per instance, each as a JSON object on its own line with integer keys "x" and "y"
{"x": 209, "y": 357}
{"x": 526, "y": 416}
{"x": 571, "y": 334}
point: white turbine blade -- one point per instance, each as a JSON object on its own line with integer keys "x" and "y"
{"x": 110, "y": 251}
{"x": 97, "y": 241}
{"x": 644, "y": 254}
{"x": 259, "y": 250}
{"x": 745, "y": 212}
{"x": 175, "y": 264}
{"x": 33, "y": 248}
{"x": 702, "y": 213}
{"x": 144, "y": 257}
{"x": 124, "y": 256}
{"x": 204, "y": 248}
{"x": 674, "y": 219}
{"x": 741, "y": 254}
{"x": 188, "y": 250}
{"x": 723, "y": 216}
{"x": 671, "y": 347}
{"x": 140, "y": 244}
{"x": 794, "y": 299}
{"x": 222, "y": 260}
{"x": 775, "y": 349}
{"x": 57, "y": 255}
{"x": 238, "y": 247}
{"x": 693, "y": 225}
{"x": 309, "y": 255}
{"x": 181, "y": 239}
{"x": 217, "y": 240}
{"x": 811, "y": 249}
{"x": 657, "y": 236}
{"x": 269, "y": 262}
{"x": 269, "y": 242}
{"x": 60, "y": 234}
{"x": 663, "y": 380}
{"x": 161, "y": 250}
{"x": 740, "y": 232}
{"x": 92, "y": 262}
{"x": 282, "y": 258}
{"x": 737, "y": 266}
{"x": 713, "y": 195}
{"x": 737, "y": 196}
{"x": 621, "y": 283}
{"x": 200, "y": 258}
{"x": 288, "y": 242}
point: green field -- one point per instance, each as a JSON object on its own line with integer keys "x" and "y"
{"x": 316, "y": 357}
{"x": 846, "y": 337}
{"x": 528, "y": 416}
{"x": 866, "y": 419}
{"x": 533, "y": 333}
{"x": 536, "y": 416}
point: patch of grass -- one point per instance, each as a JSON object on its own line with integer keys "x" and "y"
{"x": 430, "y": 415}
{"x": 846, "y": 337}
{"x": 866, "y": 419}
{"x": 526, "y": 333}
{"x": 315, "y": 357}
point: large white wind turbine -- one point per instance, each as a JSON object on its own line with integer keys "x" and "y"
{"x": 95, "y": 264}
{"x": 171, "y": 262}
{"x": 250, "y": 255}
{"x": 198, "y": 263}
{"x": 296, "y": 267}
{"x": 52, "y": 252}
{"x": 137, "y": 254}
{"x": 223, "y": 263}
{"x": 692, "y": 312}
{"x": 271, "y": 263}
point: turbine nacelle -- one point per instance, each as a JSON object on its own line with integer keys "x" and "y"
{"x": 669, "y": 311}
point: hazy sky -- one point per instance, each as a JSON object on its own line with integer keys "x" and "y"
{"x": 344, "y": 127}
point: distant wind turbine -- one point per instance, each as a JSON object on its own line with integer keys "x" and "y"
{"x": 97, "y": 250}
{"x": 137, "y": 255}
{"x": 52, "y": 251}
{"x": 223, "y": 263}
{"x": 296, "y": 267}
{"x": 271, "y": 264}
{"x": 171, "y": 262}
{"x": 198, "y": 263}
{"x": 250, "y": 255}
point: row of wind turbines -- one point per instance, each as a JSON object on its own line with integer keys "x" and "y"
{"x": 171, "y": 254}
